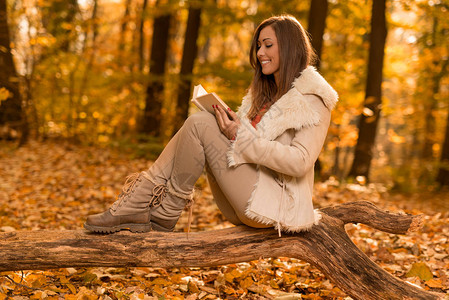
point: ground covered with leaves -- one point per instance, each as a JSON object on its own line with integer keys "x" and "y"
{"x": 56, "y": 185}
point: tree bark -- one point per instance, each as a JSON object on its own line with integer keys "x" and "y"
{"x": 143, "y": 17}
{"x": 371, "y": 111}
{"x": 123, "y": 29}
{"x": 154, "y": 95}
{"x": 326, "y": 246}
{"x": 443, "y": 171}
{"x": 189, "y": 54}
{"x": 10, "y": 108}
{"x": 317, "y": 25}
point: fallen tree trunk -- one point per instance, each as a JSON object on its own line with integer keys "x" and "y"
{"x": 326, "y": 246}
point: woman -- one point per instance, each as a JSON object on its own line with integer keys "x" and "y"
{"x": 259, "y": 162}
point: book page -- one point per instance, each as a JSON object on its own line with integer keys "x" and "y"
{"x": 198, "y": 90}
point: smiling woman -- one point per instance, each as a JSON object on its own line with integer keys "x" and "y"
{"x": 284, "y": 43}
{"x": 268, "y": 52}
{"x": 259, "y": 161}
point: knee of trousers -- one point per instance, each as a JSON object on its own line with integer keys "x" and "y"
{"x": 201, "y": 117}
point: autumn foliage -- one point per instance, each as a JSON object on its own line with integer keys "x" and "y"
{"x": 97, "y": 88}
{"x": 54, "y": 186}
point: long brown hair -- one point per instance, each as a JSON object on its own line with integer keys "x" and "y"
{"x": 295, "y": 54}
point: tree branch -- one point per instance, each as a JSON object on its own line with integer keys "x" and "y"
{"x": 326, "y": 246}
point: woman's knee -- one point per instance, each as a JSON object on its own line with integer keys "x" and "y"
{"x": 200, "y": 117}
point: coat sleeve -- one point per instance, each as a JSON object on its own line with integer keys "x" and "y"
{"x": 295, "y": 159}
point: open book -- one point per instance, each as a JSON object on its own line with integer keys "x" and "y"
{"x": 205, "y": 100}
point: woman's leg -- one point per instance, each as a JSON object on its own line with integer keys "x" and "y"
{"x": 220, "y": 199}
{"x": 201, "y": 142}
{"x": 160, "y": 194}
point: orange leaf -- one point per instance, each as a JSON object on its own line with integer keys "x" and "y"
{"x": 434, "y": 283}
{"x": 247, "y": 282}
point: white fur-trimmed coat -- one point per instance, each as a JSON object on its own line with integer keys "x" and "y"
{"x": 284, "y": 146}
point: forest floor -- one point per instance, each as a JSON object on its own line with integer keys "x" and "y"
{"x": 56, "y": 185}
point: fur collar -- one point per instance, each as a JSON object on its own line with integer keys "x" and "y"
{"x": 292, "y": 111}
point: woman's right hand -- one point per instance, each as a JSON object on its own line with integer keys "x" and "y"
{"x": 227, "y": 126}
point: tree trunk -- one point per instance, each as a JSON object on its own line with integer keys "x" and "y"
{"x": 154, "y": 95}
{"x": 90, "y": 53}
{"x": 123, "y": 29}
{"x": 11, "y": 114}
{"x": 189, "y": 54}
{"x": 371, "y": 111}
{"x": 326, "y": 246}
{"x": 55, "y": 16}
{"x": 431, "y": 78}
{"x": 142, "y": 36}
{"x": 317, "y": 25}
{"x": 443, "y": 171}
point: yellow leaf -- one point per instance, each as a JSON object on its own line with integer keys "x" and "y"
{"x": 71, "y": 288}
{"x": 236, "y": 273}
{"x": 247, "y": 282}
{"x": 38, "y": 281}
{"x": 229, "y": 277}
{"x": 158, "y": 289}
{"x": 421, "y": 270}
{"x": 63, "y": 279}
{"x": 177, "y": 278}
{"x": 192, "y": 287}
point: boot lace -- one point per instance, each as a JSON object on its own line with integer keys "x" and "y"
{"x": 159, "y": 193}
{"x": 127, "y": 188}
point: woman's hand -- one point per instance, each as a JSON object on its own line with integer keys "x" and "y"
{"x": 227, "y": 126}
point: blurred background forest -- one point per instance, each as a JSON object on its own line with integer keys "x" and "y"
{"x": 119, "y": 73}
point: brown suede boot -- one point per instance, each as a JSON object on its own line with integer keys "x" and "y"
{"x": 141, "y": 207}
{"x": 132, "y": 208}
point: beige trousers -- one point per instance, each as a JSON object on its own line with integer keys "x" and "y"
{"x": 200, "y": 144}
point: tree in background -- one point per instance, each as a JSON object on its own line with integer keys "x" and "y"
{"x": 10, "y": 98}
{"x": 316, "y": 27}
{"x": 189, "y": 53}
{"x": 68, "y": 57}
{"x": 58, "y": 17}
{"x": 123, "y": 28}
{"x": 140, "y": 46}
{"x": 373, "y": 99}
{"x": 443, "y": 171}
{"x": 154, "y": 98}
{"x": 433, "y": 69}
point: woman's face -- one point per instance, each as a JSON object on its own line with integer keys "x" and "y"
{"x": 268, "y": 52}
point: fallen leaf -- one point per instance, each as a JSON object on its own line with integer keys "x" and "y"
{"x": 421, "y": 270}
{"x": 434, "y": 283}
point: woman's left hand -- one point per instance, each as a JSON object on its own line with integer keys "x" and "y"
{"x": 228, "y": 126}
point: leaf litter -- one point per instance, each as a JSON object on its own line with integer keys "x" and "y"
{"x": 55, "y": 186}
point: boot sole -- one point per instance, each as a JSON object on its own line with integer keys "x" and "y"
{"x": 112, "y": 229}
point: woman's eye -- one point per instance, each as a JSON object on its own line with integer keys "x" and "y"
{"x": 268, "y": 46}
